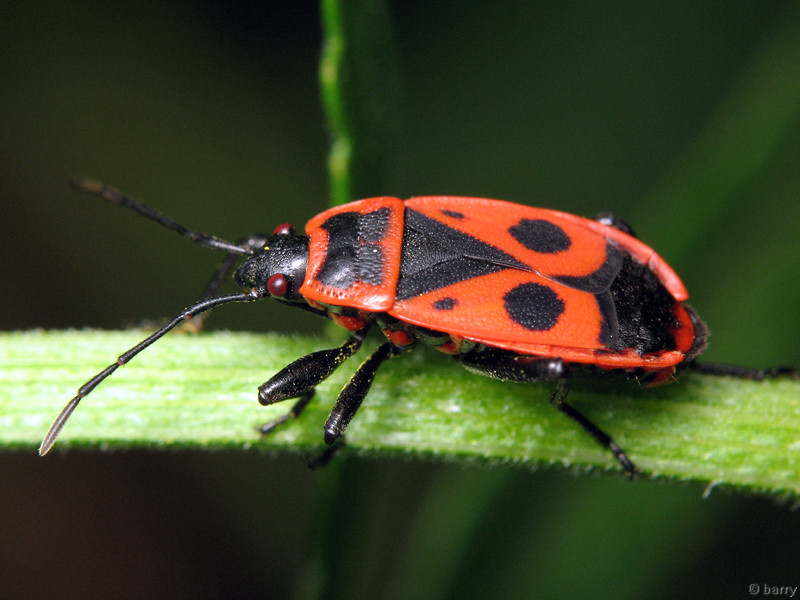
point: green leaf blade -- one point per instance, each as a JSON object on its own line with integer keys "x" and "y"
{"x": 200, "y": 391}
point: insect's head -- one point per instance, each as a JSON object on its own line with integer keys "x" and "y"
{"x": 279, "y": 268}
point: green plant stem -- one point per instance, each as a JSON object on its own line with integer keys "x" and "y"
{"x": 360, "y": 92}
{"x": 200, "y": 391}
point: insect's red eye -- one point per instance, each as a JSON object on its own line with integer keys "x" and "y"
{"x": 277, "y": 285}
{"x": 283, "y": 229}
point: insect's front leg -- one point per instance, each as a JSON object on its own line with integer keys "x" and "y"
{"x": 253, "y": 243}
{"x": 299, "y": 379}
{"x": 293, "y": 413}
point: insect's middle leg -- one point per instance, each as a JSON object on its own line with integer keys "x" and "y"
{"x": 353, "y": 394}
{"x": 507, "y": 366}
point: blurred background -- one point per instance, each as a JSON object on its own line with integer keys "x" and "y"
{"x": 684, "y": 120}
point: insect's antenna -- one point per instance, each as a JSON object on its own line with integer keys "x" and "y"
{"x": 90, "y": 186}
{"x": 86, "y": 388}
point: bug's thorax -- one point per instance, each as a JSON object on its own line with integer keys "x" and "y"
{"x": 278, "y": 269}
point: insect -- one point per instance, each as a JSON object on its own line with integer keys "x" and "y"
{"x": 512, "y": 292}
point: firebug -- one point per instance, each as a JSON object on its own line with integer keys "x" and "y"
{"x": 511, "y": 292}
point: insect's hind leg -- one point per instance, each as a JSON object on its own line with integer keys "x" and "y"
{"x": 557, "y": 399}
{"x": 615, "y": 222}
{"x": 743, "y": 372}
{"x": 508, "y": 366}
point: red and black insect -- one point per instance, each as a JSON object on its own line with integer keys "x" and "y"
{"x": 512, "y": 292}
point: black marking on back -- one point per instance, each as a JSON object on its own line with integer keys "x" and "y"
{"x": 534, "y": 306}
{"x": 540, "y": 236}
{"x": 599, "y": 284}
{"x": 446, "y": 303}
{"x": 352, "y": 254}
{"x": 436, "y": 255}
{"x": 609, "y": 328}
{"x": 599, "y": 281}
{"x": 636, "y": 309}
{"x": 453, "y": 213}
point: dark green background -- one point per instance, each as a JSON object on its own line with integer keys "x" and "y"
{"x": 682, "y": 119}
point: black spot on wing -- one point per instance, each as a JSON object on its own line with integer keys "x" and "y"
{"x": 453, "y": 214}
{"x": 352, "y": 254}
{"x": 445, "y": 303}
{"x": 540, "y": 236}
{"x": 533, "y": 306}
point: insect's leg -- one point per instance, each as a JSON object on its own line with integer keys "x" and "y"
{"x": 253, "y": 243}
{"x": 615, "y": 222}
{"x": 507, "y": 366}
{"x": 512, "y": 367}
{"x": 743, "y": 372}
{"x": 557, "y": 399}
{"x": 353, "y": 394}
{"x": 299, "y": 379}
{"x": 348, "y": 403}
{"x": 293, "y": 413}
